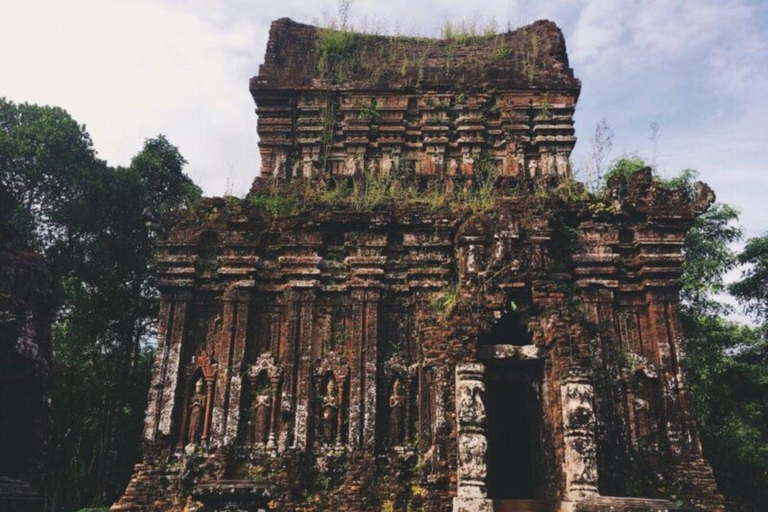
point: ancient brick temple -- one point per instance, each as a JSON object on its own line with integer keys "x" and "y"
{"x": 515, "y": 347}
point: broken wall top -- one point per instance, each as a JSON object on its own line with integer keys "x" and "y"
{"x": 304, "y": 57}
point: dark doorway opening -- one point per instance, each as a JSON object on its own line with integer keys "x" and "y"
{"x": 513, "y": 437}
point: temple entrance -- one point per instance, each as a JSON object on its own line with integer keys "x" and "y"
{"x": 513, "y": 430}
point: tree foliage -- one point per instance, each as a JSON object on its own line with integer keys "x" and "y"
{"x": 729, "y": 384}
{"x": 90, "y": 222}
{"x": 752, "y": 289}
{"x": 708, "y": 258}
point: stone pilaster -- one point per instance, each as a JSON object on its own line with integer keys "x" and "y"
{"x": 676, "y": 345}
{"x": 471, "y": 492}
{"x": 223, "y": 354}
{"x": 306, "y": 308}
{"x": 580, "y": 463}
{"x": 356, "y": 371}
{"x": 236, "y": 376}
{"x": 672, "y": 418}
{"x": 370, "y": 366}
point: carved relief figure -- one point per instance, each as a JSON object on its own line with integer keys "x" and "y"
{"x": 261, "y": 405}
{"x": 330, "y": 407}
{"x": 331, "y": 404}
{"x": 195, "y": 421}
{"x": 644, "y": 411}
{"x": 397, "y": 413}
{"x": 196, "y": 410}
{"x": 264, "y": 377}
{"x": 470, "y": 403}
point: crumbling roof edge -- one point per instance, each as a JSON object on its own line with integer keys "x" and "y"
{"x": 530, "y": 58}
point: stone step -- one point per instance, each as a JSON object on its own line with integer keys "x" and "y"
{"x": 518, "y": 506}
{"x": 622, "y": 504}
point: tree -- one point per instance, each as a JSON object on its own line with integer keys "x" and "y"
{"x": 708, "y": 258}
{"x": 752, "y": 289}
{"x": 45, "y": 158}
{"x": 89, "y": 221}
{"x": 107, "y": 320}
{"x": 728, "y": 371}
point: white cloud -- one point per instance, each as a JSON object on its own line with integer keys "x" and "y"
{"x": 130, "y": 70}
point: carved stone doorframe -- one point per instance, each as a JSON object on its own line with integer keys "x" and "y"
{"x": 580, "y": 464}
{"x": 579, "y": 423}
{"x": 471, "y": 494}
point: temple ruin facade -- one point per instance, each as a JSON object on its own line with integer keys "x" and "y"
{"x": 417, "y": 308}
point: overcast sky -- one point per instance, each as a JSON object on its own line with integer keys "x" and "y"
{"x": 129, "y": 70}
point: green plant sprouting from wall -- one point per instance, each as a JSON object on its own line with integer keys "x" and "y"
{"x": 335, "y": 52}
{"x": 345, "y": 52}
{"x": 465, "y": 30}
{"x": 446, "y": 301}
{"x": 545, "y": 111}
{"x": 373, "y": 189}
{"x": 371, "y": 113}
{"x": 328, "y": 125}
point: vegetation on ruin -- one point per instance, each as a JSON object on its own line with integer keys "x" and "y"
{"x": 463, "y": 30}
{"x": 375, "y": 190}
{"x": 445, "y": 302}
{"x": 345, "y": 52}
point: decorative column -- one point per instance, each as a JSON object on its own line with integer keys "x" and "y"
{"x": 340, "y": 416}
{"x": 208, "y": 406}
{"x": 364, "y": 371}
{"x": 355, "y": 379}
{"x": 274, "y": 382}
{"x": 236, "y": 377}
{"x": 289, "y": 362}
{"x": 371, "y": 336}
{"x": 304, "y": 370}
{"x": 222, "y": 354}
{"x": 471, "y": 494}
{"x": 676, "y": 345}
{"x": 668, "y": 372}
{"x": 580, "y": 464}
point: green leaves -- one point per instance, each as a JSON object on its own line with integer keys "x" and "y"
{"x": 158, "y": 167}
{"x": 45, "y": 157}
{"x": 709, "y": 257}
{"x": 106, "y": 323}
{"x": 752, "y": 289}
{"x": 89, "y": 221}
{"x": 624, "y": 166}
{"x": 728, "y": 371}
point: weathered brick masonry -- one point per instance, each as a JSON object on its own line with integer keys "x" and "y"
{"x": 520, "y": 354}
